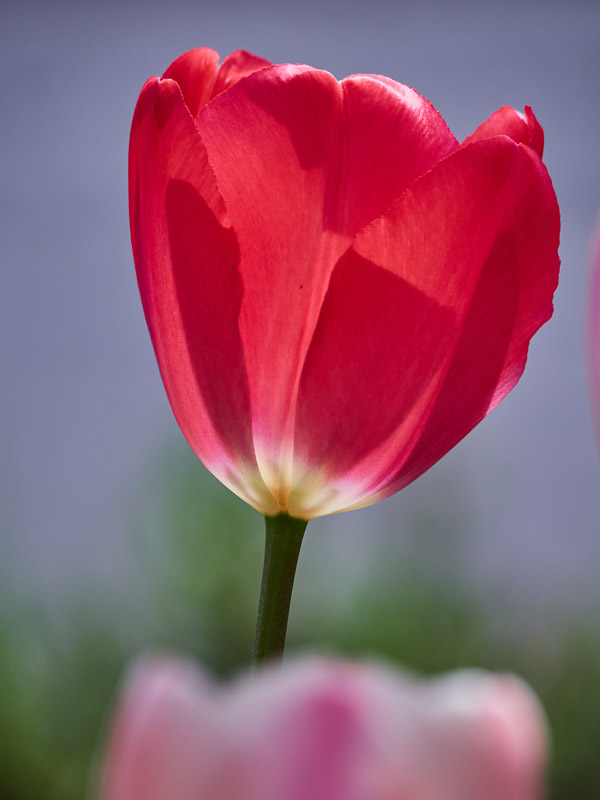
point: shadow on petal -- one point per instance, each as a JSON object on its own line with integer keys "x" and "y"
{"x": 378, "y": 345}
{"x": 205, "y": 259}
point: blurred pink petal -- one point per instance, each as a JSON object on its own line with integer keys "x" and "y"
{"x": 324, "y": 730}
{"x": 165, "y": 739}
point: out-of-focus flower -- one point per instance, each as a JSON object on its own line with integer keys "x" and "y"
{"x": 323, "y": 730}
{"x": 594, "y": 328}
{"x": 337, "y": 290}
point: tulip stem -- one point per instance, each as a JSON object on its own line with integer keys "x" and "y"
{"x": 282, "y": 547}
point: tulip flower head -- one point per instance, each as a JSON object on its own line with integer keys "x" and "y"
{"x": 323, "y": 730}
{"x": 337, "y": 290}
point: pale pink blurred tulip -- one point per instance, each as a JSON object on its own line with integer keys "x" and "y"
{"x": 323, "y": 730}
{"x": 594, "y": 328}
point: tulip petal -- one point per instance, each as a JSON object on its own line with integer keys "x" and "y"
{"x": 507, "y": 121}
{"x": 315, "y": 742}
{"x": 213, "y": 340}
{"x": 317, "y": 161}
{"x": 490, "y": 735}
{"x": 361, "y": 376}
{"x": 517, "y": 738}
{"x": 473, "y": 246}
{"x": 200, "y": 77}
{"x": 512, "y": 300}
{"x": 187, "y": 259}
{"x": 324, "y": 730}
{"x": 236, "y": 66}
{"x": 275, "y": 132}
{"x": 390, "y": 136}
{"x": 195, "y": 72}
{"x": 166, "y": 739}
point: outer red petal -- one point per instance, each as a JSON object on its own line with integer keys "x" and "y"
{"x": 238, "y": 65}
{"x": 455, "y": 279}
{"x": 389, "y": 137}
{"x": 187, "y": 261}
{"x": 200, "y": 78}
{"x": 196, "y": 73}
{"x": 507, "y": 121}
{"x": 302, "y": 164}
{"x": 512, "y": 299}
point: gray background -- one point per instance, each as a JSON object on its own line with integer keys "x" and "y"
{"x": 85, "y": 421}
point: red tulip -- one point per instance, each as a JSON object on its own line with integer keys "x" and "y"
{"x": 324, "y": 730}
{"x": 336, "y": 289}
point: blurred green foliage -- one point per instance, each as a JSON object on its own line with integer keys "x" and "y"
{"x": 201, "y": 552}
{"x": 55, "y": 690}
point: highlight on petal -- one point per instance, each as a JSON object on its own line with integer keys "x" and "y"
{"x": 336, "y": 291}
{"x": 274, "y": 134}
{"x": 325, "y": 730}
{"x": 520, "y": 127}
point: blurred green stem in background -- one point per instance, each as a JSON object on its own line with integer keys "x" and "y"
{"x": 284, "y": 536}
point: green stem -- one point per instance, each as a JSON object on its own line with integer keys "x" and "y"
{"x": 282, "y": 546}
